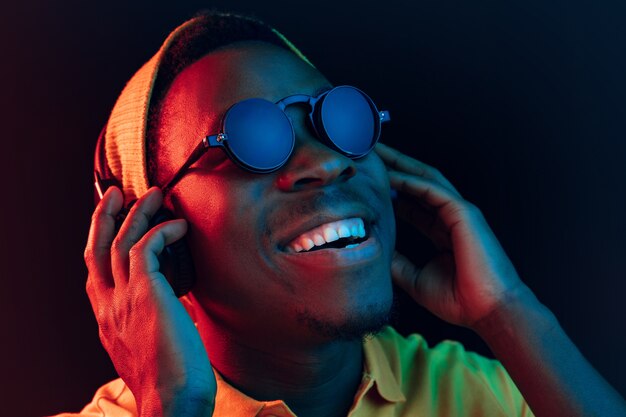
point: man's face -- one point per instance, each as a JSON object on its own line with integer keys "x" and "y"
{"x": 241, "y": 223}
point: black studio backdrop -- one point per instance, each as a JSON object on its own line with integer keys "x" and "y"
{"x": 521, "y": 105}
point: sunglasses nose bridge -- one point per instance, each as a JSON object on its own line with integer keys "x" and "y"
{"x": 302, "y": 121}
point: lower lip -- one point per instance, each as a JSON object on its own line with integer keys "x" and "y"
{"x": 338, "y": 257}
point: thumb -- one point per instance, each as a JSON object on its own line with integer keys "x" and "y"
{"x": 431, "y": 286}
{"x": 404, "y": 273}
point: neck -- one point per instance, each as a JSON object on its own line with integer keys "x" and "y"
{"x": 312, "y": 381}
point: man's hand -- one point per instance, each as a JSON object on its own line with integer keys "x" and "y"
{"x": 472, "y": 282}
{"x": 147, "y": 332}
{"x": 472, "y": 275}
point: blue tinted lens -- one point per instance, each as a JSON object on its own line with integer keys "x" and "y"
{"x": 349, "y": 120}
{"x": 260, "y": 135}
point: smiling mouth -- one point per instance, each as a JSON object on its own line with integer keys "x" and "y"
{"x": 341, "y": 234}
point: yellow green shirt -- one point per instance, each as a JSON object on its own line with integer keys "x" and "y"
{"x": 402, "y": 376}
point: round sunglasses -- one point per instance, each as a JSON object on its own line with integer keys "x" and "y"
{"x": 258, "y": 136}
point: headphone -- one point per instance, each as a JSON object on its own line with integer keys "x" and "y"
{"x": 175, "y": 261}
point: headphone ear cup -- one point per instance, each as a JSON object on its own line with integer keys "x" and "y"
{"x": 175, "y": 261}
{"x": 177, "y": 264}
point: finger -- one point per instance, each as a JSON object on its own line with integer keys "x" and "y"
{"x": 429, "y": 192}
{"x": 144, "y": 255}
{"x": 133, "y": 228}
{"x": 404, "y": 273}
{"x": 425, "y": 285}
{"x": 101, "y": 234}
{"x": 425, "y": 220}
{"x": 398, "y": 161}
{"x": 449, "y": 206}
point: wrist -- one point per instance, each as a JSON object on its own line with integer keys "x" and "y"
{"x": 176, "y": 403}
{"x": 519, "y": 308}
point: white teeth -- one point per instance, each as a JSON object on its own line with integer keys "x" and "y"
{"x": 307, "y": 243}
{"x": 329, "y": 232}
{"x": 318, "y": 240}
{"x": 343, "y": 231}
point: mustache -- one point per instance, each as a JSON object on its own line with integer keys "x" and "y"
{"x": 321, "y": 201}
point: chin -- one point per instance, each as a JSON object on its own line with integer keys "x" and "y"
{"x": 353, "y": 324}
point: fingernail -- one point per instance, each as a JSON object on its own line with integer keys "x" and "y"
{"x": 109, "y": 191}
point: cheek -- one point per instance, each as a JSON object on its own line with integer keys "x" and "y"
{"x": 223, "y": 231}
{"x": 376, "y": 169}
{"x": 202, "y": 204}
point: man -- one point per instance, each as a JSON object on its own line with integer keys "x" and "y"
{"x": 293, "y": 251}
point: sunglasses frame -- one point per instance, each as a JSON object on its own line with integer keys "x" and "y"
{"x": 220, "y": 140}
{"x": 316, "y": 121}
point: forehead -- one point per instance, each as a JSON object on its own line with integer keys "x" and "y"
{"x": 243, "y": 70}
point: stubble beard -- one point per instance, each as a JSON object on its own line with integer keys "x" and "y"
{"x": 367, "y": 322}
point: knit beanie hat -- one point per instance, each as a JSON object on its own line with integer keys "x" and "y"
{"x": 125, "y": 139}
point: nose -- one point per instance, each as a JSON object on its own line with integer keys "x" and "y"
{"x": 313, "y": 164}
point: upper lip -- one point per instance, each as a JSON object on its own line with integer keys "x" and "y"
{"x": 293, "y": 231}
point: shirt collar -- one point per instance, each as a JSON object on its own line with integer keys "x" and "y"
{"x": 379, "y": 369}
{"x": 229, "y": 401}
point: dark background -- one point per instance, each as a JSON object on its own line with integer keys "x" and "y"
{"x": 521, "y": 104}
